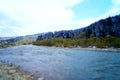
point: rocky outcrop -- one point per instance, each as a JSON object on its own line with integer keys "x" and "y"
{"x": 104, "y": 27}
{"x": 46, "y": 36}
{"x": 63, "y": 33}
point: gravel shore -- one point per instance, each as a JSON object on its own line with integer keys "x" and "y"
{"x": 10, "y": 72}
{"x": 101, "y": 49}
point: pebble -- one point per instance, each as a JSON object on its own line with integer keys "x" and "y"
{"x": 41, "y": 78}
{"x": 8, "y": 72}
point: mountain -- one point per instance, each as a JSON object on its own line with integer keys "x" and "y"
{"x": 5, "y": 38}
{"x": 104, "y": 27}
{"x": 27, "y": 39}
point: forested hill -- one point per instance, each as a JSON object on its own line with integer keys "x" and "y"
{"x": 104, "y": 27}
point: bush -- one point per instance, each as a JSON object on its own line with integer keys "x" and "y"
{"x": 101, "y": 42}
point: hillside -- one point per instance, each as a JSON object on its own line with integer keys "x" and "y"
{"x": 105, "y": 31}
{"x": 104, "y": 27}
{"x": 20, "y": 40}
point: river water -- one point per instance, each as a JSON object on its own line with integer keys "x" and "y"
{"x": 53, "y": 63}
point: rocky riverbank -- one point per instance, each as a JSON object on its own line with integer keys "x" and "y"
{"x": 100, "y": 49}
{"x": 10, "y": 72}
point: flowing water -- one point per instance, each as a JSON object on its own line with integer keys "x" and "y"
{"x": 53, "y": 63}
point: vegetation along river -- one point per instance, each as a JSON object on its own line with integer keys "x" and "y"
{"x": 54, "y": 63}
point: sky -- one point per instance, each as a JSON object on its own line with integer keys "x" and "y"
{"x": 26, "y": 17}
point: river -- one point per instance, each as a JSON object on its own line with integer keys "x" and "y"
{"x": 54, "y": 63}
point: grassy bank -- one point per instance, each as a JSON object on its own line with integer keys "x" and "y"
{"x": 25, "y": 42}
{"x": 100, "y": 42}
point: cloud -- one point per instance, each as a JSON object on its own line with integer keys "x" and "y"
{"x": 116, "y": 7}
{"x": 114, "y": 10}
{"x": 35, "y": 16}
{"x": 23, "y": 17}
{"x": 116, "y": 2}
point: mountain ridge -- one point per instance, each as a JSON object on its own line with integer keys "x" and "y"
{"x": 104, "y": 27}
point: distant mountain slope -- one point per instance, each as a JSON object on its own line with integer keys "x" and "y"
{"x": 29, "y": 38}
{"x": 5, "y": 38}
{"x": 104, "y": 27}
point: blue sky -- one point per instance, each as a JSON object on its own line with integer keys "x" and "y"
{"x": 91, "y": 8}
{"x": 24, "y": 17}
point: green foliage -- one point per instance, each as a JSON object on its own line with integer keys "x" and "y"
{"x": 6, "y": 45}
{"x": 16, "y": 43}
{"x": 100, "y": 42}
{"x": 113, "y": 41}
{"x": 81, "y": 35}
{"x": 56, "y": 42}
{"x": 92, "y": 35}
{"x": 23, "y": 42}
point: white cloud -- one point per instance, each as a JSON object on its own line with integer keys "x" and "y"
{"x": 38, "y": 16}
{"x": 116, "y": 2}
{"x": 115, "y": 9}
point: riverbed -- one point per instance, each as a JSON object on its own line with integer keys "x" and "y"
{"x": 52, "y": 63}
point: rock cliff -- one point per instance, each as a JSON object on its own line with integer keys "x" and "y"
{"x": 104, "y": 27}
